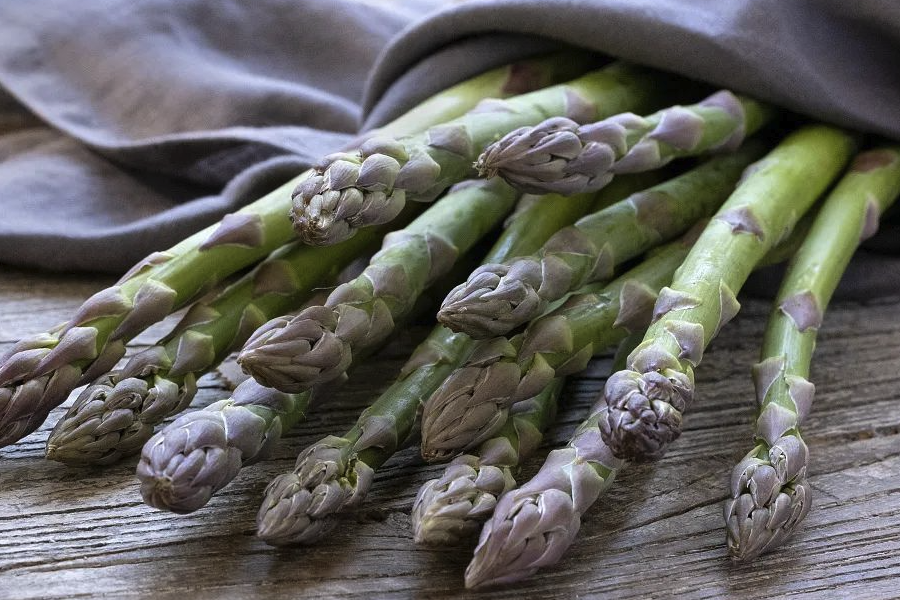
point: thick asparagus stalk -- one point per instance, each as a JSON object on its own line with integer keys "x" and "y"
{"x": 646, "y": 401}
{"x": 560, "y": 156}
{"x": 317, "y": 345}
{"x": 451, "y": 508}
{"x": 356, "y": 189}
{"x": 336, "y": 473}
{"x": 474, "y": 401}
{"x": 199, "y": 453}
{"x": 533, "y": 526}
{"x": 770, "y": 495}
{"x": 38, "y": 373}
{"x": 114, "y": 416}
{"x": 499, "y": 297}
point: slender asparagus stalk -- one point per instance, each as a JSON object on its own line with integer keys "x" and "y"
{"x": 114, "y": 416}
{"x": 335, "y": 474}
{"x": 475, "y": 400}
{"x": 318, "y": 345}
{"x": 452, "y": 507}
{"x": 370, "y": 185}
{"x": 38, "y": 373}
{"x": 199, "y": 453}
{"x": 560, "y": 156}
{"x": 534, "y": 525}
{"x": 770, "y": 494}
{"x": 647, "y": 400}
{"x": 500, "y": 297}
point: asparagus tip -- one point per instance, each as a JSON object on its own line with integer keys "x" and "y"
{"x": 767, "y": 505}
{"x": 164, "y": 493}
{"x": 469, "y": 407}
{"x": 282, "y": 519}
{"x": 527, "y": 531}
{"x": 301, "y": 506}
{"x": 113, "y": 418}
{"x": 645, "y": 412}
{"x": 294, "y": 354}
{"x": 495, "y": 299}
{"x": 183, "y": 465}
{"x": 450, "y": 509}
{"x": 347, "y": 192}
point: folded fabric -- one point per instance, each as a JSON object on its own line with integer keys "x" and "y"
{"x": 162, "y": 115}
{"x": 165, "y": 114}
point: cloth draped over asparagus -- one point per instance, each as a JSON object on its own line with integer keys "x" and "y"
{"x": 150, "y": 120}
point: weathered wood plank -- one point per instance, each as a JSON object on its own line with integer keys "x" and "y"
{"x": 72, "y": 533}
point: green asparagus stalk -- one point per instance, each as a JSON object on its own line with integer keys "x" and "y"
{"x": 646, "y": 401}
{"x": 114, "y": 416}
{"x": 497, "y": 298}
{"x": 38, "y": 373}
{"x": 560, "y": 156}
{"x": 350, "y": 190}
{"x": 336, "y": 473}
{"x": 199, "y": 453}
{"x": 534, "y": 525}
{"x": 452, "y": 507}
{"x": 317, "y": 345}
{"x": 475, "y": 400}
{"x": 770, "y": 494}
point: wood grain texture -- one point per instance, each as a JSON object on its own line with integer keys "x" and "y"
{"x": 84, "y": 533}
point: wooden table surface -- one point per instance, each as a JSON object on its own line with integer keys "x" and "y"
{"x": 81, "y": 533}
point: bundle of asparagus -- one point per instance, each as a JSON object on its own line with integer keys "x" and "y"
{"x": 335, "y": 474}
{"x": 38, "y": 373}
{"x": 578, "y": 274}
{"x": 316, "y": 346}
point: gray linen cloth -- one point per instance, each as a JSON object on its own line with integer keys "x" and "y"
{"x": 159, "y": 116}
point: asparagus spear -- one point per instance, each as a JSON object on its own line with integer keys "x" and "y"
{"x": 114, "y": 416}
{"x": 336, "y": 473}
{"x": 474, "y": 401}
{"x": 534, "y": 525}
{"x": 499, "y": 297}
{"x": 38, "y": 373}
{"x": 317, "y": 345}
{"x": 356, "y": 189}
{"x": 562, "y": 157}
{"x": 770, "y": 495}
{"x": 452, "y": 507}
{"x": 646, "y": 401}
{"x": 199, "y": 453}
